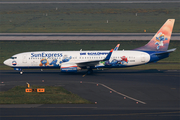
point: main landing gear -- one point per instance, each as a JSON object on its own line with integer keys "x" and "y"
{"x": 89, "y": 71}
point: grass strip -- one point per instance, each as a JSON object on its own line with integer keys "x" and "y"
{"x": 86, "y": 18}
{"x": 52, "y": 95}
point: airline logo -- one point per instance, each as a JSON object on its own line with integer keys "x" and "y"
{"x": 94, "y": 53}
{"x": 14, "y": 63}
{"x": 48, "y": 55}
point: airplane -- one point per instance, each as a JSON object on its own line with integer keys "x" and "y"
{"x": 73, "y": 61}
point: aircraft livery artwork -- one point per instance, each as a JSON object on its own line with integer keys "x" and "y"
{"x": 160, "y": 39}
{"x": 54, "y": 61}
{"x": 115, "y": 62}
{"x": 47, "y": 61}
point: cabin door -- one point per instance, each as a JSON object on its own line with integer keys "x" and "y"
{"x": 24, "y": 59}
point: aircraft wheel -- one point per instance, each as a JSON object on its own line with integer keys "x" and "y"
{"x": 21, "y": 72}
{"x": 90, "y": 71}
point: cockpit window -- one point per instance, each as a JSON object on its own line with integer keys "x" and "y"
{"x": 13, "y": 57}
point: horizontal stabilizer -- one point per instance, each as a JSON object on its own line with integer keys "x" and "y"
{"x": 171, "y": 50}
{"x": 168, "y": 51}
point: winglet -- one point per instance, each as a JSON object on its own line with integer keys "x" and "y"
{"x": 108, "y": 56}
{"x": 117, "y": 47}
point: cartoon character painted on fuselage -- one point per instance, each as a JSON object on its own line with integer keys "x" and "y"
{"x": 124, "y": 60}
{"x": 53, "y": 63}
{"x": 115, "y": 62}
{"x": 44, "y": 62}
{"x": 159, "y": 40}
{"x": 65, "y": 59}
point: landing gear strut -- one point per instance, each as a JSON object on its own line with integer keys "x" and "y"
{"x": 90, "y": 71}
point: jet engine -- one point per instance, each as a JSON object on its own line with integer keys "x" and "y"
{"x": 69, "y": 67}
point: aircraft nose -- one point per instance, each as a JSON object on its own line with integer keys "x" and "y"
{"x": 6, "y": 62}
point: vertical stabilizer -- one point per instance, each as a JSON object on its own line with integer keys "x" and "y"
{"x": 161, "y": 39}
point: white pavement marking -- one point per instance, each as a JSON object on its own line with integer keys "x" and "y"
{"x": 81, "y": 36}
{"x": 118, "y": 92}
{"x": 71, "y": 107}
{"x": 89, "y": 2}
{"x": 21, "y": 106}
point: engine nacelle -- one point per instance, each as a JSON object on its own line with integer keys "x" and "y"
{"x": 69, "y": 67}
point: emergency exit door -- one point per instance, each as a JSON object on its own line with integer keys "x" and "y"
{"x": 24, "y": 59}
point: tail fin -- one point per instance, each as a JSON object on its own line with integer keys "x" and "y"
{"x": 161, "y": 39}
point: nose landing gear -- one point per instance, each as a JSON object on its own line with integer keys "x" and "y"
{"x": 21, "y": 72}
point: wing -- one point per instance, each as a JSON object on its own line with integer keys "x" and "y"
{"x": 94, "y": 62}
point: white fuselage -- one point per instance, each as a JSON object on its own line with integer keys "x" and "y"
{"x": 52, "y": 59}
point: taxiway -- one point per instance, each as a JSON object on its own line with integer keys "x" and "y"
{"x": 126, "y": 94}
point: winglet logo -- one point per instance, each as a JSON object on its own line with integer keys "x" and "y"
{"x": 159, "y": 40}
{"x": 14, "y": 63}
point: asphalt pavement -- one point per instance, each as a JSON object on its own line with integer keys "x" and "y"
{"x": 115, "y": 94}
